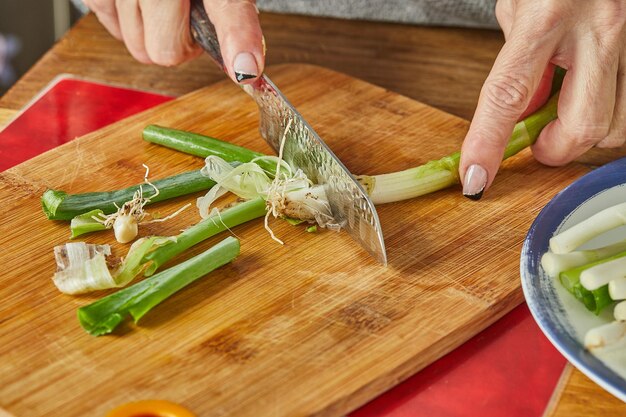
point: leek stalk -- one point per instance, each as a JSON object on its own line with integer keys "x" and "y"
{"x": 603, "y": 221}
{"x": 203, "y": 146}
{"x": 384, "y": 188}
{"x": 443, "y": 173}
{"x": 594, "y": 300}
{"x": 555, "y": 263}
{"x": 59, "y": 205}
{"x": 104, "y": 315}
{"x": 216, "y": 223}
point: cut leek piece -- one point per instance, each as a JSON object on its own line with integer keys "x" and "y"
{"x": 384, "y": 188}
{"x": 600, "y": 275}
{"x": 607, "y": 335}
{"x": 554, "y": 263}
{"x": 87, "y": 223}
{"x": 595, "y": 300}
{"x": 619, "y": 312}
{"x": 218, "y": 222}
{"x": 82, "y": 267}
{"x": 617, "y": 289}
{"x": 59, "y": 205}
{"x": 104, "y": 315}
{"x": 601, "y": 222}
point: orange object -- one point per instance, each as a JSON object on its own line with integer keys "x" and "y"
{"x": 150, "y": 408}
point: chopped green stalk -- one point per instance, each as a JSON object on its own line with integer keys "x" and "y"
{"x": 413, "y": 182}
{"x": 594, "y": 300}
{"x": 384, "y": 188}
{"x": 58, "y": 205}
{"x": 312, "y": 229}
{"x": 103, "y": 316}
{"x": 443, "y": 173}
{"x": 555, "y": 263}
{"x": 603, "y": 221}
{"x": 600, "y": 275}
{"x": 87, "y": 223}
{"x": 203, "y": 146}
{"x": 230, "y": 217}
{"x": 134, "y": 263}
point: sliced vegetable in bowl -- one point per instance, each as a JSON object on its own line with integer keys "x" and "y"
{"x": 589, "y": 282}
{"x": 562, "y": 317}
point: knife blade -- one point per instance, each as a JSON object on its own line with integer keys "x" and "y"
{"x": 303, "y": 148}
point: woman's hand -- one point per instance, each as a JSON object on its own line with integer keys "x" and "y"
{"x": 588, "y": 39}
{"x": 157, "y": 32}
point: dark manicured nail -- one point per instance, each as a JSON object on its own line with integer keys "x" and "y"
{"x": 245, "y": 67}
{"x": 475, "y": 182}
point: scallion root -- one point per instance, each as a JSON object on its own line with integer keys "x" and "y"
{"x": 125, "y": 221}
{"x": 289, "y": 194}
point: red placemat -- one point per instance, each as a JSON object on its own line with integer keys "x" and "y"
{"x": 510, "y": 369}
{"x": 66, "y": 109}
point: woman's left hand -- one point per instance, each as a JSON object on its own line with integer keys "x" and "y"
{"x": 588, "y": 39}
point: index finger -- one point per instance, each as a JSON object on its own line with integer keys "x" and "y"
{"x": 506, "y": 93}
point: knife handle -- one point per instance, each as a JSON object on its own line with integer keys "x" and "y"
{"x": 204, "y": 32}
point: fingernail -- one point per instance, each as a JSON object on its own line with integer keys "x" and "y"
{"x": 475, "y": 182}
{"x": 245, "y": 66}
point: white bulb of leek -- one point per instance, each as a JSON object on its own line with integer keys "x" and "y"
{"x": 600, "y": 275}
{"x": 586, "y": 230}
{"x": 619, "y": 312}
{"x": 555, "y": 263}
{"x": 125, "y": 228}
{"x": 606, "y": 335}
{"x": 617, "y": 289}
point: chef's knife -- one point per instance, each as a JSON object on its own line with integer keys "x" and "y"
{"x": 303, "y": 148}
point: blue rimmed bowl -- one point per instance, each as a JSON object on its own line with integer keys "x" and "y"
{"x": 562, "y": 318}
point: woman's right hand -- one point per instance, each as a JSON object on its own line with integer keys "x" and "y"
{"x": 158, "y": 32}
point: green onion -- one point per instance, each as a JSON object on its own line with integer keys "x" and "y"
{"x": 58, "y": 205}
{"x": 443, "y": 173}
{"x": 216, "y": 223}
{"x": 603, "y": 221}
{"x": 103, "y": 316}
{"x": 594, "y": 300}
{"x": 87, "y": 223}
{"x": 600, "y": 275}
{"x": 555, "y": 263}
{"x": 605, "y": 335}
{"x": 203, "y": 146}
{"x": 384, "y": 188}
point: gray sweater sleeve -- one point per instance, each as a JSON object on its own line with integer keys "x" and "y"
{"x": 469, "y": 13}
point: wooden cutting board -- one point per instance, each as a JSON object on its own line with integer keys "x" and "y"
{"x": 314, "y": 327}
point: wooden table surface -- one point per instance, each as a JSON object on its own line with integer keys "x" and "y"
{"x": 442, "y": 67}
